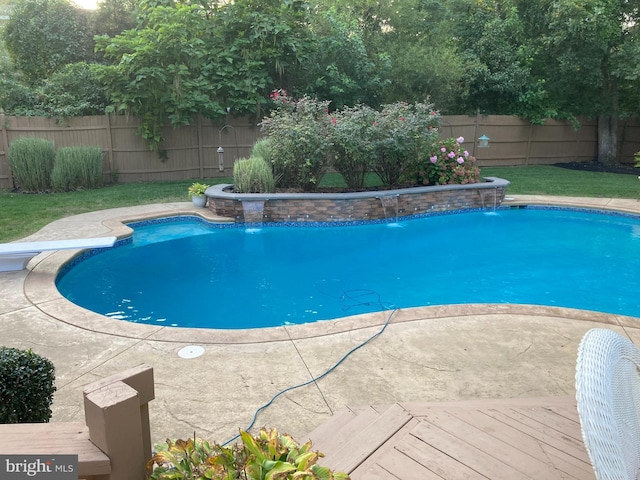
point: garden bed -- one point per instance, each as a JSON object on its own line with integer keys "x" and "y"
{"x": 353, "y": 206}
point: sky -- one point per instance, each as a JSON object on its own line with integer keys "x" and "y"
{"x": 87, "y": 4}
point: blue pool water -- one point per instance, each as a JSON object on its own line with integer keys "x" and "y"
{"x": 191, "y": 274}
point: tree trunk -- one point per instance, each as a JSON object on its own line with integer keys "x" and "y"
{"x": 607, "y": 139}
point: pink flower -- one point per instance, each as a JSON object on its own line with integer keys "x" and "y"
{"x": 466, "y": 154}
{"x": 460, "y": 160}
{"x": 443, "y": 149}
{"x": 460, "y": 140}
{"x": 433, "y": 159}
{"x": 451, "y": 154}
{"x": 333, "y": 120}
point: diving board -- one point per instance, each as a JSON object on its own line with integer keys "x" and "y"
{"x": 15, "y": 256}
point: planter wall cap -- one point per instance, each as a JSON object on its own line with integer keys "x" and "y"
{"x": 222, "y": 191}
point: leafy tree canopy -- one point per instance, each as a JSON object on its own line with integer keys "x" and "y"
{"x": 186, "y": 59}
{"x": 42, "y": 36}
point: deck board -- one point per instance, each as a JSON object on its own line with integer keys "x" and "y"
{"x": 475, "y": 440}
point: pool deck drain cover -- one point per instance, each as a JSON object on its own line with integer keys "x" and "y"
{"x": 192, "y": 351}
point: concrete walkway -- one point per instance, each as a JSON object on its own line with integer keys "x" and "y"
{"x": 435, "y": 353}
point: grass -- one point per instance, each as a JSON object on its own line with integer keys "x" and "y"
{"x": 550, "y": 180}
{"x": 24, "y": 214}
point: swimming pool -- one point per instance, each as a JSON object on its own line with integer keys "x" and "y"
{"x": 193, "y": 274}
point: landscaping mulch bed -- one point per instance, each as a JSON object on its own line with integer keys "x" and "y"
{"x": 600, "y": 167}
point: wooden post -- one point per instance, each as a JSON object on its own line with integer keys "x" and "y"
{"x": 475, "y": 133}
{"x": 112, "y": 414}
{"x": 139, "y": 378}
{"x": 109, "y": 148}
{"x": 526, "y": 158}
{"x": 4, "y": 146}
{"x": 200, "y": 147}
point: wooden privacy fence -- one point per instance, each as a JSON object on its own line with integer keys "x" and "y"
{"x": 192, "y": 151}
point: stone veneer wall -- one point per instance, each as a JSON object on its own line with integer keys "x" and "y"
{"x": 325, "y": 207}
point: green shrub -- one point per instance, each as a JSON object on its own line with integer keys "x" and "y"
{"x": 268, "y": 455}
{"x": 253, "y": 175}
{"x": 299, "y": 141}
{"x": 447, "y": 162}
{"x": 77, "y": 167}
{"x": 401, "y": 138}
{"x": 353, "y": 149}
{"x": 31, "y": 161}
{"x": 27, "y": 384}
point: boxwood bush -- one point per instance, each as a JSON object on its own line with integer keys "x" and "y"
{"x": 27, "y": 384}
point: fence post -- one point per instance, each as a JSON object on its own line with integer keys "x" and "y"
{"x": 4, "y": 146}
{"x": 109, "y": 147}
{"x": 200, "y": 147}
{"x": 475, "y": 132}
{"x": 528, "y": 155}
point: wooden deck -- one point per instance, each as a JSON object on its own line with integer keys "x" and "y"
{"x": 537, "y": 438}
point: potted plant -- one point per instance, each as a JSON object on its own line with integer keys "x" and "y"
{"x": 196, "y": 194}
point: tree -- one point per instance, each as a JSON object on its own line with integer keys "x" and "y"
{"x": 337, "y": 66}
{"x": 160, "y": 72}
{"x": 113, "y": 17}
{"x": 44, "y": 35}
{"x": 491, "y": 44}
{"x": 184, "y": 60}
{"x": 584, "y": 52}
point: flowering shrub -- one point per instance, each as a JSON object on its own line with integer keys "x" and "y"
{"x": 352, "y": 131}
{"x": 448, "y": 163}
{"x": 402, "y": 134}
{"x": 299, "y": 143}
{"x": 304, "y": 136}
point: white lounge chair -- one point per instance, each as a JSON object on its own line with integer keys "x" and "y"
{"x": 608, "y": 399}
{"x": 15, "y": 256}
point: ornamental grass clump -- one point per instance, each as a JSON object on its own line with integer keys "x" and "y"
{"x": 76, "y": 168}
{"x": 447, "y": 162}
{"x": 298, "y": 132}
{"x": 253, "y": 175}
{"x": 31, "y": 161}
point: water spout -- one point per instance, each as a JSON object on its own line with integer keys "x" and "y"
{"x": 253, "y": 212}
{"x": 390, "y": 206}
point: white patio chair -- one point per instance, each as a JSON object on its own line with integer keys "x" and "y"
{"x": 608, "y": 398}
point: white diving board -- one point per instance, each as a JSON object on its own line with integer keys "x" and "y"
{"x": 15, "y": 256}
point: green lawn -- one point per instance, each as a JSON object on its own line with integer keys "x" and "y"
{"x": 23, "y": 214}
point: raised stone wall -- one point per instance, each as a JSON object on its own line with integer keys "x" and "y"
{"x": 344, "y": 207}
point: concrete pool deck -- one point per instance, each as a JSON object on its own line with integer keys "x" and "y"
{"x": 425, "y": 354}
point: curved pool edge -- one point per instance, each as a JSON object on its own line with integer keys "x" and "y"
{"x": 41, "y": 292}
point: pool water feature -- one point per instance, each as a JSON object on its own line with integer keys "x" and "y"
{"x": 192, "y": 274}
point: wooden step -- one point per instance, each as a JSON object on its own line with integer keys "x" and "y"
{"x": 358, "y": 446}
{"x": 329, "y": 437}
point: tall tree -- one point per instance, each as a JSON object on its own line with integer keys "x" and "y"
{"x": 336, "y": 65}
{"x": 183, "y": 59}
{"x": 113, "y": 17}
{"x": 583, "y": 51}
{"x": 490, "y": 41}
{"x": 44, "y": 35}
